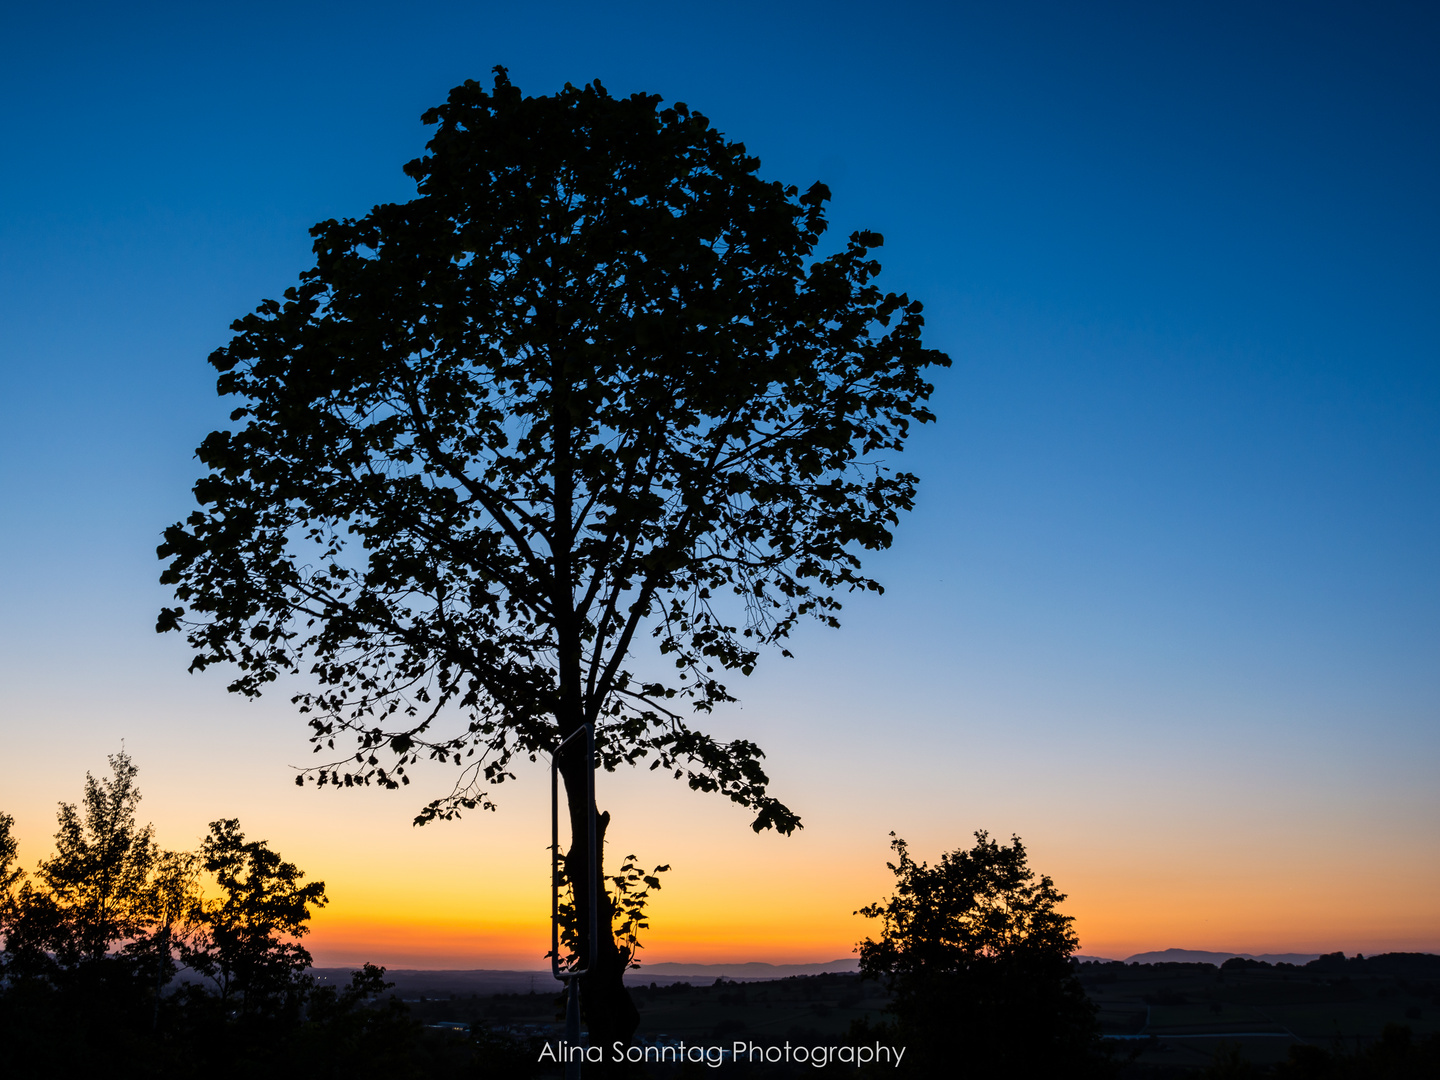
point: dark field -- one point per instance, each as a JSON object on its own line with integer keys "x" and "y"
{"x": 798, "y": 1009}
{"x": 1187, "y": 1013}
{"x": 1164, "y": 1017}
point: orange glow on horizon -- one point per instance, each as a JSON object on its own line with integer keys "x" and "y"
{"x": 474, "y": 893}
{"x": 705, "y": 913}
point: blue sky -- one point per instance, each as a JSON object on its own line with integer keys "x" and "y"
{"x": 1179, "y": 526}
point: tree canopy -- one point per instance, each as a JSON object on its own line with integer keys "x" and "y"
{"x": 589, "y": 386}
{"x": 247, "y": 939}
{"x": 977, "y": 956}
{"x": 98, "y": 876}
{"x": 10, "y": 872}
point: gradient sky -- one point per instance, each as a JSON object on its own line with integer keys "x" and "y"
{"x": 1169, "y": 606}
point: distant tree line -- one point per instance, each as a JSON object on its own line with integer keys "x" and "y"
{"x": 124, "y": 959}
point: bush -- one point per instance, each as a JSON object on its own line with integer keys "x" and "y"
{"x": 978, "y": 960}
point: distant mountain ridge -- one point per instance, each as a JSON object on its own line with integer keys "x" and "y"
{"x": 752, "y": 970}
{"x": 421, "y": 982}
{"x": 1201, "y": 956}
{"x": 413, "y": 983}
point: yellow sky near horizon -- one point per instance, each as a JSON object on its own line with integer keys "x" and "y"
{"x": 472, "y": 894}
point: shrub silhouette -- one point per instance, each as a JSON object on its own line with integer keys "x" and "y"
{"x": 978, "y": 960}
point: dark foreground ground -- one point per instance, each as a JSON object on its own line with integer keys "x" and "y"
{"x": 1174, "y": 1017}
{"x": 1165, "y": 1019}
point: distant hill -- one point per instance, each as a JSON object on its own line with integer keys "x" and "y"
{"x": 412, "y": 982}
{"x": 752, "y": 970}
{"x": 1198, "y": 956}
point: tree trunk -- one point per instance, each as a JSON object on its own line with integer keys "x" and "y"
{"x": 610, "y": 1015}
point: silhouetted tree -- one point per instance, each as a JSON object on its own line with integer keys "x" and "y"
{"x": 246, "y": 939}
{"x": 78, "y": 944}
{"x": 30, "y": 925}
{"x": 99, "y": 874}
{"x": 11, "y": 878}
{"x": 173, "y": 900}
{"x": 590, "y": 387}
{"x": 978, "y": 960}
{"x": 10, "y": 872}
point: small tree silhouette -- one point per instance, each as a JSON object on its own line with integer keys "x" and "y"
{"x": 628, "y": 894}
{"x": 12, "y": 880}
{"x": 99, "y": 874}
{"x": 246, "y": 940}
{"x": 978, "y": 959}
{"x": 10, "y": 872}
